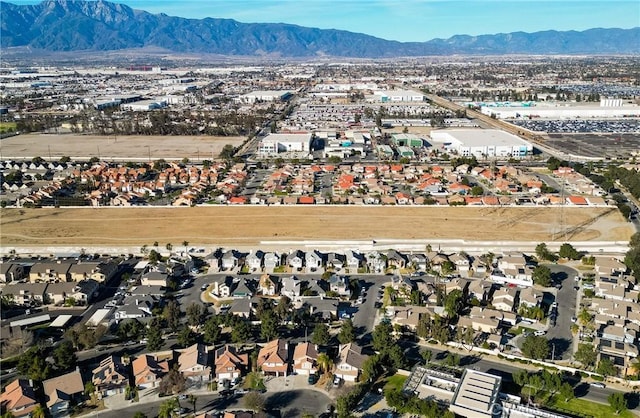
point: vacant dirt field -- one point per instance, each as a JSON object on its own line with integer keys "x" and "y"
{"x": 118, "y": 148}
{"x": 249, "y": 225}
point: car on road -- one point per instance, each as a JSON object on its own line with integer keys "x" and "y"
{"x": 204, "y": 286}
{"x": 598, "y": 385}
{"x": 574, "y": 319}
{"x": 183, "y": 397}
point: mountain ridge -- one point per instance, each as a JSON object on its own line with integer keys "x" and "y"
{"x": 66, "y": 25}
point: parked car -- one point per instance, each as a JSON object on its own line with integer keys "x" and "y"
{"x": 539, "y": 333}
{"x": 312, "y": 379}
{"x": 204, "y": 287}
{"x": 598, "y": 385}
{"x": 337, "y": 381}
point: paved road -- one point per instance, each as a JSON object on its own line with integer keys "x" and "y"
{"x": 292, "y": 403}
{"x": 560, "y": 335}
{"x": 364, "y": 319}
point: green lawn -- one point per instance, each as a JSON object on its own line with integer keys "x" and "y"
{"x": 6, "y": 126}
{"x": 395, "y": 382}
{"x": 588, "y": 408}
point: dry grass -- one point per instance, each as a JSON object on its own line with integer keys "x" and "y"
{"x": 249, "y": 225}
{"x": 112, "y": 147}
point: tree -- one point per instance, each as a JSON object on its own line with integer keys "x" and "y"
{"x": 606, "y": 368}
{"x": 89, "y": 388}
{"x": 542, "y": 276}
{"x": 452, "y": 359}
{"x": 269, "y": 325}
{"x": 325, "y": 364}
{"x": 566, "y": 392}
{"x": 426, "y": 355}
{"x": 186, "y": 337}
{"x": 477, "y": 190}
{"x": 535, "y": 347}
{"x": 617, "y": 402}
{"x": 65, "y": 356}
{"x": 171, "y": 314}
{"x": 567, "y": 251}
{"x": 347, "y": 332}
{"x": 211, "y": 331}
{"x": 154, "y": 336}
{"x": 38, "y": 412}
{"x": 283, "y": 309}
{"x": 172, "y": 382}
{"x": 167, "y": 407}
{"x": 139, "y": 415}
{"x": 584, "y": 317}
{"x": 543, "y": 253}
{"x": 194, "y": 314}
{"x": 254, "y": 401}
{"x": 453, "y": 303}
{"x": 586, "y": 355}
{"x": 227, "y": 152}
{"x": 320, "y": 335}
{"x": 241, "y": 332}
{"x": 382, "y": 337}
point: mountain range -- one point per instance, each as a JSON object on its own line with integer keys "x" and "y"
{"x": 73, "y": 25}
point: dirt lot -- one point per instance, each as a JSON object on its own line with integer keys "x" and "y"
{"x": 249, "y": 225}
{"x": 120, "y": 147}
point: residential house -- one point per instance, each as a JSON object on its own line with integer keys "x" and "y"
{"x": 419, "y": 262}
{"x": 324, "y": 309}
{"x": 62, "y": 392}
{"x": 336, "y": 260}
{"x": 154, "y": 278}
{"x": 316, "y": 288}
{"x": 26, "y": 294}
{"x": 271, "y": 261}
{"x": 529, "y": 297}
{"x": 98, "y": 271}
{"x": 350, "y": 362}
{"x": 19, "y": 398}
{"x": 194, "y": 363}
{"x": 11, "y": 272}
{"x": 462, "y": 263}
{"x": 242, "y": 288}
{"x": 479, "y": 290}
{"x": 295, "y": 260}
{"x": 110, "y": 377}
{"x": 231, "y": 260}
{"x": 291, "y": 287}
{"x": 148, "y": 371}
{"x": 241, "y": 307}
{"x": 354, "y": 260}
{"x": 305, "y": 358}
{"x": 221, "y": 287}
{"x": 135, "y": 307}
{"x": 314, "y": 261}
{"x": 395, "y": 259}
{"x": 268, "y": 285}
{"x": 376, "y": 262}
{"x": 339, "y": 285}
{"x": 504, "y": 299}
{"x": 273, "y": 358}
{"x": 254, "y": 261}
{"x": 230, "y": 364}
{"x": 50, "y": 272}
{"x": 618, "y": 344}
{"x": 607, "y": 266}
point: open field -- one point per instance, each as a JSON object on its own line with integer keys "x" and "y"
{"x": 118, "y": 148}
{"x": 248, "y": 225}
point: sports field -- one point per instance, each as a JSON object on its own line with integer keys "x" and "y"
{"x": 221, "y": 225}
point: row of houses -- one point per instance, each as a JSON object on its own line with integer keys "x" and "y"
{"x": 57, "y": 271}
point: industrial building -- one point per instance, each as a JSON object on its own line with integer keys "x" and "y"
{"x": 265, "y": 96}
{"x": 609, "y": 108}
{"x": 482, "y": 143}
{"x": 407, "y": 140}
{"x": 477, "y": 395}
{"x": 274, "y": 144}
{"x": 390, "y": 96}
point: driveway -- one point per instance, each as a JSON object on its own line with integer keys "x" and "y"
{"x": 560, "y": 334}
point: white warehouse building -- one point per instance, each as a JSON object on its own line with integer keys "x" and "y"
{"x": 274, "y": 144}
{"x": 483, "y": 143}
{"x": 387, "y": 96}
{"x": 265, "y": 96}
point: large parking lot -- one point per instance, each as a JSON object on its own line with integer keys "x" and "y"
{"x": 596, "y": 145}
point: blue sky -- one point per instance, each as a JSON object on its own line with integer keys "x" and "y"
{"x": 409, "y": 20}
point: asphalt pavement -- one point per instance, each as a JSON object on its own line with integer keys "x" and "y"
{"x": 559, "y": 335}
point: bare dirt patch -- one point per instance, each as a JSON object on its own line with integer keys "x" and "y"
{"x": 116, "y": 147}
{"x": 249, "y": 225}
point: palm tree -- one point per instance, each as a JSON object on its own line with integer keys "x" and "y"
{"x": 635, "y": 367}
{"x": 325, "y": 363}
{"x": 193, "y": 399}
{"x": 167, "y": 407}
{"x": 38, "y": 412}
